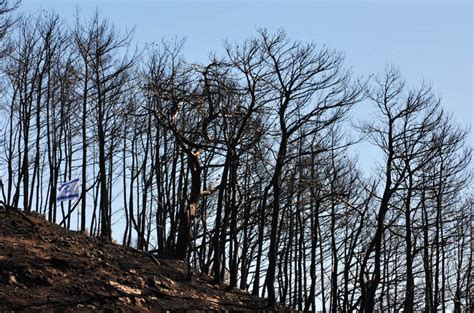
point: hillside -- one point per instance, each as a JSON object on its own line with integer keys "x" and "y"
{"x": 46, "y": 267}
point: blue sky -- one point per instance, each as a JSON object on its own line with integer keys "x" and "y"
{"x": 426, "y": 40}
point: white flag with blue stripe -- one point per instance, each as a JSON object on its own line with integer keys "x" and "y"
{"x": 69, "y": 190}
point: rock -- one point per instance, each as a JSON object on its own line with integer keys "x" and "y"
{"x": 125, "y": 289}
{"x": 135, "y": 281}
{"x": 12, "y": 280}
{"x": 139, "y": 301}
{"x": 160, "y": 282}
{"x": 125, "y": 300}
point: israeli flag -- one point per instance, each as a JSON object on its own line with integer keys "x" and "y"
{"x": 69, "y": 190}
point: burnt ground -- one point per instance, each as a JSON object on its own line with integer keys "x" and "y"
{"x": 44, "y": 267}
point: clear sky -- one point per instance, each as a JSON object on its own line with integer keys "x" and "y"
{"x": 426, "y": 40}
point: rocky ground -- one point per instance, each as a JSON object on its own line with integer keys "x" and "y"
{"x": 47, "y": 268}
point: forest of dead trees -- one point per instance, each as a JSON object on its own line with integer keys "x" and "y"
{"x": 242, "y": 165}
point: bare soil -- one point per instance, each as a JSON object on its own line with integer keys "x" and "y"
{"x": 44, "y": 267}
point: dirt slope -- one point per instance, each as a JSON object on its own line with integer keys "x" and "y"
{"x": 46, "y": 267}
